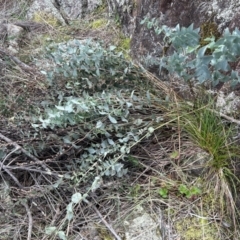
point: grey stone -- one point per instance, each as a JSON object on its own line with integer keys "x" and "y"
{"x": 141, "y": 226}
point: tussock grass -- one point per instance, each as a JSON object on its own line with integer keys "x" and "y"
{"x": 213, "y": 134}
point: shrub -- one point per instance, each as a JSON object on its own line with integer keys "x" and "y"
{"x": 101, "y": 116}
{"x": 191, "y": 61}
{"x": 87, "y": 66}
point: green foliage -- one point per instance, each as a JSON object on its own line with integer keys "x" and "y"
{"x": 191, "y": 61}
{"x": 163, "y": 192}
{"x": 206, "y": 129}
{"x": 96, "y": 100}
{"x": 87, "y": 66}
{"x": 189, "y": 192}
{"x": 105, "y": 116}
{"x": 134, "y": 162}
{"x": 124, "y": 45}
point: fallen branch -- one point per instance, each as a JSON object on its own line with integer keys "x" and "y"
{"x": 104, "y": 221}
{"x": 20, "y": 167}
{"x": 233, "y": 120}
{"x": 11, "y": 175}
{"x": 48, "y": 171}
{"x": 14, "y": 150}
{"x": 23, "y": 65}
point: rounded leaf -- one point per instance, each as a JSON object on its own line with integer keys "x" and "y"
{"x": 76, "y": 197}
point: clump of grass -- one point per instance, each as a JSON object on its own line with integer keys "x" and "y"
{"x": 208, "y": 131}
{"x": 205, "y": 127}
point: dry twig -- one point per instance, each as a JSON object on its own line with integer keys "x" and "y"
{"x": 48, "y": 171}
{"x": 233, "y": 120}
{"x": 30, "y": 220}
{"x": 23, "y": 65}
{"x": 104, "y": 221}
{"x": 10, "y": 174}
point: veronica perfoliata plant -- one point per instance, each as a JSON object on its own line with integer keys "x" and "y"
{"x": 192, "y": 61}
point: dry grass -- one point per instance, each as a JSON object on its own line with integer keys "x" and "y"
{"x": 13, "y": 8}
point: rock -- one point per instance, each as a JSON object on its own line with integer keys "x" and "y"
{"x": 61, "y": 10}
{"x": 228, "y": 104}
{"x": 225, "y": 12}
{"x": 11, "y": 34}
{"x": 3, "y": 32}
{"x": 14, "y": 31}
{"x": 44, "y": 11}
{"x": 75, "y": 9}
{"x": 142, "y": 226}
{"x": 235, "y": 22}
{"x": 199, "y": 163}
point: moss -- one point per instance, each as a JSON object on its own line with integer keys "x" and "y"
{"x": 99, "y": 23}
{"x": 135, "y": 4}
{"x": 207, "y": 30}
{"x": 47, "y": 18}
{"x": 124, "y": 45}
{"x": 196, "y": 228}
{"x": 103, "y": 233}
{"x": 101, "y": 9}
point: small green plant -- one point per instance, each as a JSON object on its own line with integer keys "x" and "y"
{"x": 134, "y": 162}
{"x": 163, "y": 192}
{"x": 124, "y": 46}
{"x": 190, "y": 60}
{"x": 189, "y": 192}
{"x": 208, "y": 131}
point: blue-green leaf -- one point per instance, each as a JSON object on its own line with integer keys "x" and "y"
{"x": 76, "y": 197}
{"x": 201, "y": 51}
{"x": 99, "y": 124}
{"x": 62, "y": 235}
{"x": 50, "y": 230}
{"x": 112, "y": 119}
